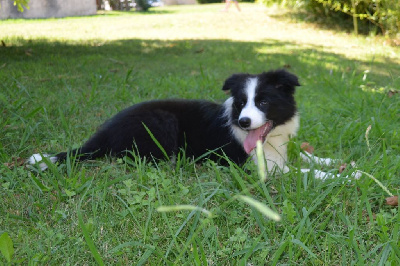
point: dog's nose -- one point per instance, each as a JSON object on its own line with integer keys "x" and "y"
{"x": 244, "y": 122}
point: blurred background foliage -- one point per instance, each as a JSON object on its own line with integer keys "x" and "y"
{"x": 365, "y": 16}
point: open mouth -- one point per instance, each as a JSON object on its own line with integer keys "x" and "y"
{"x": 254, "y": 135}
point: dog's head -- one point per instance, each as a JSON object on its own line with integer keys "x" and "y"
{"x": 258, "y": 103}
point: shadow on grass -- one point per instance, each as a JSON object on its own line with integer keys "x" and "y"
{"x": 34, "y": 59}
{"x": 64, "y": 91}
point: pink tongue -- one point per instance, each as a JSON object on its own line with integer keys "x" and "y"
{"x": 256, "y": 134}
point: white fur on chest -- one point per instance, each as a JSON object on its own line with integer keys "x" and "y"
{"x": 275, "y": 146}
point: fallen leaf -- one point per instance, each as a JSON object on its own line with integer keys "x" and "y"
{"x": 342, "y": 168}
{"x": 18, "y": 161}
{"x": 392, "y": 201}
{"x": 273, "y": 190}
{"x": 391, "y": 93}
{"x": 28, "y": 52}
{"x": 305, "y": 146}
{"x": 199, "y": 51}
{"x": 287, "y": 66}
{"x": 366, "y": 215}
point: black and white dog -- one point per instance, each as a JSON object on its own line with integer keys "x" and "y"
{"x": 261, "y": 107}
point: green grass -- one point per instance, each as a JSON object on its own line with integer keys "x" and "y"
{"x": 61, "y": 78}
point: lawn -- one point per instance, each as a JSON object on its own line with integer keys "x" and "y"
{"x": 61, "y": 78}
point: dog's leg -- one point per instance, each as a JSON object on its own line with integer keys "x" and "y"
{"x": 91, "y": 149}
{"x": 325, "y": 175}
{"x": 310, "y": 158}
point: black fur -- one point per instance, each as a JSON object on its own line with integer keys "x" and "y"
{"x": 198, "y": 126}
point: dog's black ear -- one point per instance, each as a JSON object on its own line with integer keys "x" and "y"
{"x": 234, "y": 81}
{"x": 286, "y": 80}
{"x": 292, "y": 79}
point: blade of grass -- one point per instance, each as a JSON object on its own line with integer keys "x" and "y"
{"x": 278, "y": 253}
{"x": 6, "y": 246}
{"x": 262, "y": 173}
{"x": 261, "y": 207}
{"x": 183, "y": 208}
{"x": 301, "y": 244}
{"x": 89, "y": 241}
{"x": 156, "y": 142}
{"x": 378, "y": 182}
{"x": 145, "y": 256}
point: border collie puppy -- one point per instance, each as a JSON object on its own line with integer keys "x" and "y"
{"x": 261, "y": 107}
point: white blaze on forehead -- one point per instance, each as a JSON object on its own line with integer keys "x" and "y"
{"x": 250, "y": 110}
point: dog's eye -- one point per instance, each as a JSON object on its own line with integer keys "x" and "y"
{"x": 241, "y": 103}
{"x": 263, "y": 103}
